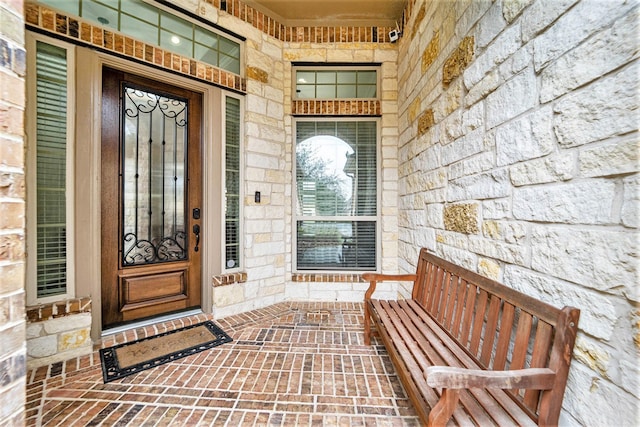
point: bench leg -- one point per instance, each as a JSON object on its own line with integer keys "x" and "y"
{"x": 440, "y": 414}
{"x": 367, "y": 324}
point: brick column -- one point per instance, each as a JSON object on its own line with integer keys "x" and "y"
{"x": 12, "y": 214}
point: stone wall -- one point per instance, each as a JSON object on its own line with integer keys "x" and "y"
{"x": 12, "y": 215}
{"x": 58, "y": 331}
{"x": 519, "y": 160}
{"x": 268, "y": 155}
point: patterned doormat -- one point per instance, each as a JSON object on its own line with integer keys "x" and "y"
{"x": 129, "y": 358}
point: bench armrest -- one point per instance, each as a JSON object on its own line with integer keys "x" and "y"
{"x": 451, "y": 380}
{"x": 374, "y": 278}
{"x": 456, "y": 378}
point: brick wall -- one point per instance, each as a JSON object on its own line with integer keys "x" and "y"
{"x": 12, "y": 217}
{"x": 519, "y": 160}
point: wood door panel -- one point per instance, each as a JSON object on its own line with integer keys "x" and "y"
{"x": 157, "y": 309}
{"x": 132, "y": 288}
{"x": 144, "y": 289}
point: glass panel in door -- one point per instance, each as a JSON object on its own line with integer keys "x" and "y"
{"x": 154, "y": 155}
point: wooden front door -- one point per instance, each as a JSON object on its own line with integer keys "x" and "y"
{"x": 151, "y": 198}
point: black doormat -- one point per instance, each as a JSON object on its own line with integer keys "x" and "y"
{"x": 129, "y": 358}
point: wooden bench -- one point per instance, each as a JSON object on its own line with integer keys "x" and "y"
{"x": 471, "y": 351}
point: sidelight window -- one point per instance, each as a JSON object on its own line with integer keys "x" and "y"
{"x": 50, "y": 156}
{"x": 232, "y": 183}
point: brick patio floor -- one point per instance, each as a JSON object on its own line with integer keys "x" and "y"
{"x": 289, "y": 364}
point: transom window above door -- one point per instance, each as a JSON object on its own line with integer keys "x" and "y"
{"x": 155, "y": 25}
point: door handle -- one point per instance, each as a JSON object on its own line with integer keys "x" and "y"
{"x": 196, "y": 231}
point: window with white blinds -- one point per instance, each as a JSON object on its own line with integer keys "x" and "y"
{"x": 336, "y": 194}
{"x": 232, "y": 183}
{"x": 51, "y": 157}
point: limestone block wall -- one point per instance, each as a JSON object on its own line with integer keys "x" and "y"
{"x": 12, "y": 215}
{"x": 519, "y": 159}
{"x": 58, "y": 331}
{"x": 268, "y": 152}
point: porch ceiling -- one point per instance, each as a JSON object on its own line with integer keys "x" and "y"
{"x": 332, "y": 12}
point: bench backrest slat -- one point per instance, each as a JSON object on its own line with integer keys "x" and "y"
{"x": 499, "y": 327}
{"x": 462, "y": 293}
{"x": 478, "y": 321}
{"x": 523, "y": 333}
{"x": 504, "y": 336}
{"x": 468, "y": 314}
{"x": 490, "y": 329}
{"x": 539, "y": 359}
{"x": 437, "y": 291}
{"x": 445, "y": 299}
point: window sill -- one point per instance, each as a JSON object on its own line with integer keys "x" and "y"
{"x": 328, "y": 277}
{"x": 229, "y": 279}
{"x": 42, "y": 312}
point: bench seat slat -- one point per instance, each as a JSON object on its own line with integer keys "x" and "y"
{"x": 387, "y": 311}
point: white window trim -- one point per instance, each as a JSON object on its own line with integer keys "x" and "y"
{"x": 31, "y": 176}
{"x": 377, "y": 218}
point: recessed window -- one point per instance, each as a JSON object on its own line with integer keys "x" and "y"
{"x": 336, "y": 83}
{"x": 336, "y": 194}
{"x": 157, "y": 26}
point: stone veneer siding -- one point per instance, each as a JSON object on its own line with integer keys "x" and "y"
{"x": 12, "y": 215}
{"x": 519, "y": 160}
{"x": 530, "y": 129}
{"x": 268, "y": 153}
{"x": 58, "y": 331}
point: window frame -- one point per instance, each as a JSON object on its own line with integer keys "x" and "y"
{"x": 31, "y": 40}
{"x": 169, "y": 11}
{"x": 240, "y": 265}
{"x": 294, "y": 199}
{"x": 337, "y": 68}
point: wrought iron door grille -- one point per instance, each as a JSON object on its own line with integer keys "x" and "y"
{"x": 154, "y": 162}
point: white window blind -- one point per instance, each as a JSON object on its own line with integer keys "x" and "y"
{"x": 51, "y": 161}
{"x": 336, "y": 203}
{"x": 232, "y": 183}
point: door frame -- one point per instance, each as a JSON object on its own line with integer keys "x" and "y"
{"x": 88, "y": 164}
